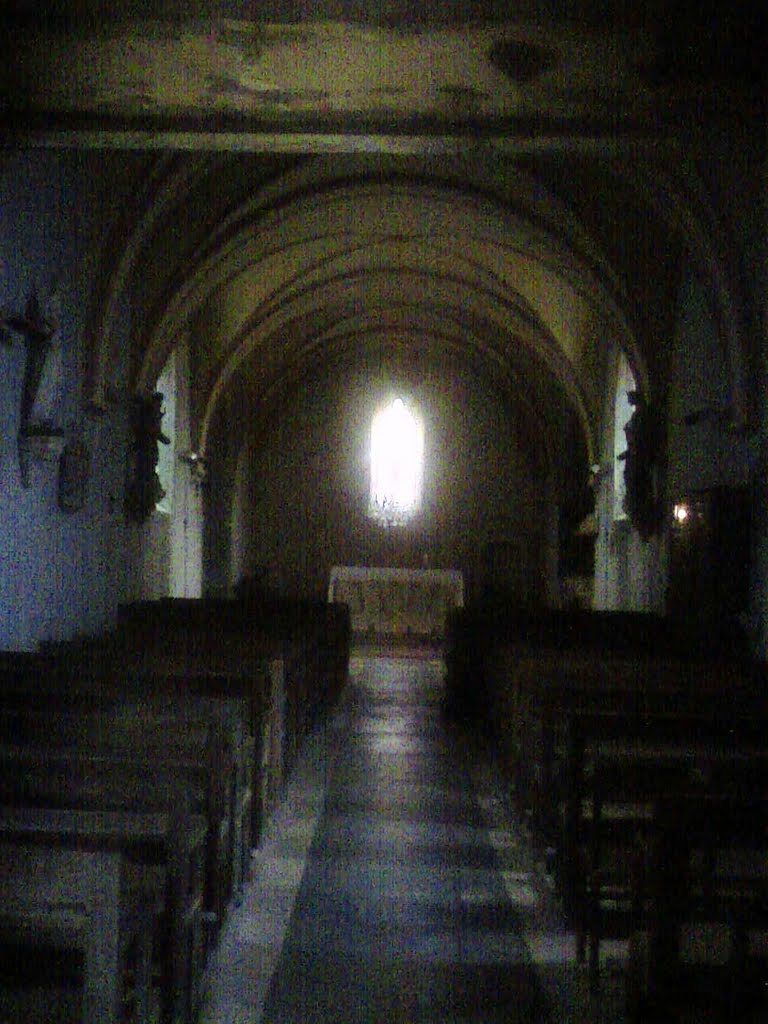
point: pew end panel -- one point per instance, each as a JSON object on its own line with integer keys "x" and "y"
{"x": 92, "y": 902}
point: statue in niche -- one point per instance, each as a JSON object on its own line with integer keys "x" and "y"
{"x": 144, "y": 489}
{"x": 43, "y": 371}
{"x": 642, "y": 502}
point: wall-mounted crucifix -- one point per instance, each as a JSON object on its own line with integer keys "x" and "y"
{"x": 38, "y": 325}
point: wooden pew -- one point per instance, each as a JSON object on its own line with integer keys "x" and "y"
{"x": 555, "y": 692}
{"x": 577, "y": 723}
{"x": 186, "y": 728}
{"x": 100, "y": 745}
{"x": 168, "y": 850}
{"x": 90, "y": 901}
{"x": 488, "y": 644}
{"x": 311, "y": 636}
{"x": 577, "y": 730}
{"x": 290, "y": 658}
{"x": 118, "y": 740}
{"x": 618, "y": 765}
{"x": 143, "y": 808}
{"x": 702, "y": 906}
{"x": 620, "y": 815}
{"x": 225, "y": 678}
{"x": 244, "y": 693}
{"x": 527, "y": 674}
{"x": 43, "y": 777}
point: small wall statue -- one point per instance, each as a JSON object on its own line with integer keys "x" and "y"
{"x": 643, "y": 501}
{"x": 144, "y": 490}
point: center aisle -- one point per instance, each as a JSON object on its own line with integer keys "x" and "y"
{"x": 402, "y": 913}
{"x": 378, "y": 893}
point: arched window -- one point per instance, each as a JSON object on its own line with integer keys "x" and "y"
{"x": 397, "y": 462}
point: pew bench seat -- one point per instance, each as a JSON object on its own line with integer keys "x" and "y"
{"x": 91, "y": 902}
{"x": 33, "y": 775}
{"x": 167, "y": 853}
{"x": 702, "y": 909}
{"x": 650, "y": 808}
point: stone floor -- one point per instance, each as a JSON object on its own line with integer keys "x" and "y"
{"x": 394, "y": 883}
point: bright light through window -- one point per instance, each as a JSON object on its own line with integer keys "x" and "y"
{"x": 397, "y": 457}
{"x": 625, "y": 385}
{"x": 166, "y": 453}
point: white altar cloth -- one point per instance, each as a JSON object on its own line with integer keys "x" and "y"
{"x": 397, "y": 602}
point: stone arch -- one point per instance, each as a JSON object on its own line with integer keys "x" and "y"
{"x": 288, "y": 252}
{"x": 511, "y": 327}
{"x": 680, "y": 201}
{"x": 155, "y": 195}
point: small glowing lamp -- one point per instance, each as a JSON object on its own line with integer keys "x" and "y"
{"x": 681, "y": 514}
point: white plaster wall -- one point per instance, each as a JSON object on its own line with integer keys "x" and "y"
{"x": 706, "y": 453}
{"x": 150, "y": 545}
{"x": 64, "y": 574}
{"x": 60, "y": 574}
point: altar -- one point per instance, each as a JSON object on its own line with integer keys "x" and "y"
{"x": 397, "y": 602}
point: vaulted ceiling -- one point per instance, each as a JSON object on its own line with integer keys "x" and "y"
{"x": 410, "y": 182}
